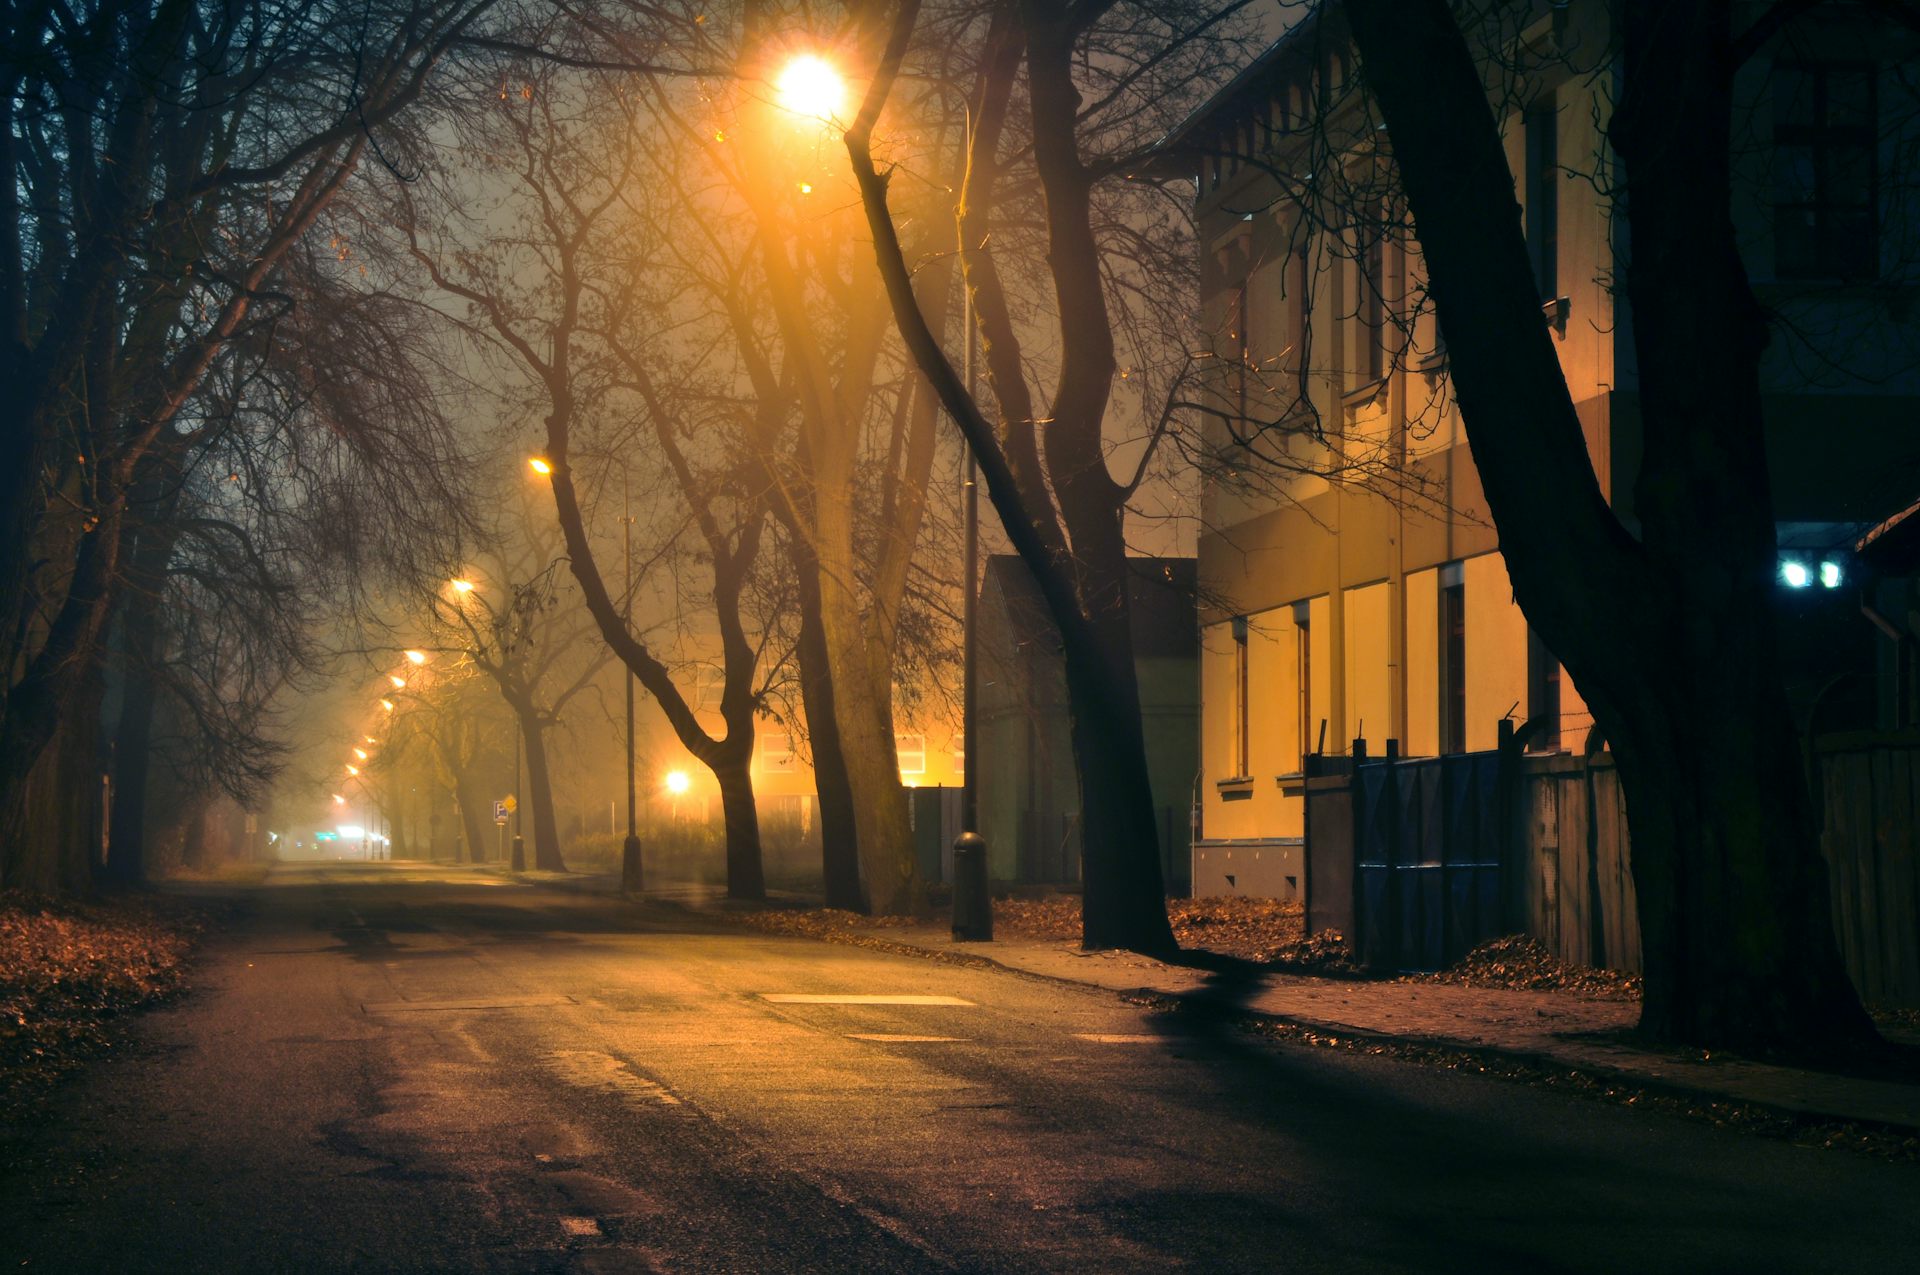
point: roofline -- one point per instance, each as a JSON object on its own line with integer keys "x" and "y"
{"x": 1172, "y": 145}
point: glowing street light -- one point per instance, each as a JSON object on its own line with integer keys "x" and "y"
{"x": 370, "y": 739}
{"x": 463, "y": 586}
{"x": 399, "y": 683}
{"x": 809, "y": 86}
{"x": 415, "y": 658}
{"x": 338, "y": 800}
{"x": 361, "y": 753}
{"x": 387, "y": 704}
{"x": 352, "y": 769}
{"x": 540, "y": 465}
{"x": 678, "y": 783}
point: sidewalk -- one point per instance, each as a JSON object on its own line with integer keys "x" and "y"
{"x": 1554, "y": 1029}
{"x": 1561, "y": 1030}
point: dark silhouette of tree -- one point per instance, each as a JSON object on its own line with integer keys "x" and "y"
{"x": 1668, "y": 628}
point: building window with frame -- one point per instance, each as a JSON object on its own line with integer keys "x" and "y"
{"x": 1826, "y": 171}
{"x": 1369, "y": 361}
{"x": 1242, "y": 763}
{"x": 912, "y": 753}
{"x": 1543, "y": 196}
{"x": 1453, "y": 659}
{"x": 1303, "y": 675}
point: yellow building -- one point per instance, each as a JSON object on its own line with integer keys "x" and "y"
{"x": 1352, "y": 584}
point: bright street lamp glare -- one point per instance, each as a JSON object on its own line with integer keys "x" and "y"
{"x": 398, "y": 682}
{"x": 810, "y": 86}
{"x": 540, "y": 465}
{"x": 361, "y": 753}
{"x": 338, "y": 800}
{"x": 416, "y": 657}
{"x": 353, "y": 770}
{"x": 387, "y": 704}
{"x": 463, "y": 586}
{"x": 677, "y": 782}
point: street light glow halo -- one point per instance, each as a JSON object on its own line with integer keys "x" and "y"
{"x": 677, "y": 782}
{"x": 809, "y": 86}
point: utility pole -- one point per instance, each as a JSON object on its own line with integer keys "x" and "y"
{"x": 519, "y": 863}
{"x": 631, "y": 878}
{"x": 970, "y": 516}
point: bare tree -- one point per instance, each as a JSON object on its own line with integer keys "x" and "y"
{"x": 1092, "y": 98}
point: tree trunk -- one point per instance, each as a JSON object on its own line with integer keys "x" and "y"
{"x": 864, "y": 713}
{"x": 132, "y": 763}
{"x": 472, "y": 801}
{"x": 839, "y": 843}
{"x": 132, "y": 758}
{"x": 1125, "y": 895}
{"x": 546, "y": 835}
{"x": 744, "y": 877}
{"x": 1670, "y": 638}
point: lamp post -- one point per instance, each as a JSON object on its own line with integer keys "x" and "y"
{"x": 631, "y": 877}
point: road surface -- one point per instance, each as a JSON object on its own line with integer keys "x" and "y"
{"x": 395, "y": 1067}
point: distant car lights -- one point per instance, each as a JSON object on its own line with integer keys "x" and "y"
{"x": 1799, "y": 572}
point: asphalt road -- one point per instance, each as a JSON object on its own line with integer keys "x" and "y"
{"x": 396, "y": 1068}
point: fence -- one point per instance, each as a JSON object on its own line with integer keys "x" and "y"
{"x": 1409, "y": 857}
{"x": 1393, "y": 861}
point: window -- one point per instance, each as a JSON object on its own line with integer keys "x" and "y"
{"x": 1242, "y": 765}
{"x": 960, "y": 753}
{"x": 1453, "y": 659}
{"x": 1543, "y": 197}
{"x": 1303, "y": 673}
{"x": 776, "y": 752}
{"x": 1369, "y": 361}
{"x": 912, "y": 752}
{"x": 1826, "y": 171}
{"x": 1295, "y": 283}
{"x": 1543, "y": 696}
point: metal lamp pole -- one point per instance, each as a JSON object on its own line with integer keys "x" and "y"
{"x": 630, "y": 868}
{"x": 972, "y": 898}
{"x": 519, "y": 863}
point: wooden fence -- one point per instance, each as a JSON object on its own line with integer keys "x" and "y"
{"x": 1566, "y": 865}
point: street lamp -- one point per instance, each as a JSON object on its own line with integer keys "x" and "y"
{"x": 809, "y": 86}
{"x": 540, "y": 465}
{"x": 361, "y": 753}
{"x": 399, "y": 683}
{"x": 387, "y": 704}
{"x": 463, "y": 586}
{"x": 415, "y": 658}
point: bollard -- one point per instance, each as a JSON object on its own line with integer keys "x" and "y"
{"x": 972, "y": 903}
{"x": 630, "y": 876}
{"x": 519, "y": 854}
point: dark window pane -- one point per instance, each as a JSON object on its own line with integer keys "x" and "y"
{"x": 1849, "y": 98}
{"x": 1793, "y": 97}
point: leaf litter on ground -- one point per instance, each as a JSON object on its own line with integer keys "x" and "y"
{"x": 68, "y": 969}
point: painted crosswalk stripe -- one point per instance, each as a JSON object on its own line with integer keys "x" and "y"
{"x": 1123, "y": 1038}
{"x": 895, "y": 1038}
{"x": 808, "y": 998}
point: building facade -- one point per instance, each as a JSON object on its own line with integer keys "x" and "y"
{"x": 1352, "y": 582}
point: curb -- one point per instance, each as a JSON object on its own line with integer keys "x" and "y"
{"x": 1335, "y": 1034}
{"x": 1534, "y": 1059}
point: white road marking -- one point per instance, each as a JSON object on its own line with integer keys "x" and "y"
{"x": 804, "y": 998}
{"x": 1123, "y": 1038}
{"x": 910, "y": 1040}
{"x": 476, "y": 1002}
{"x": 583, "y": 1226}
